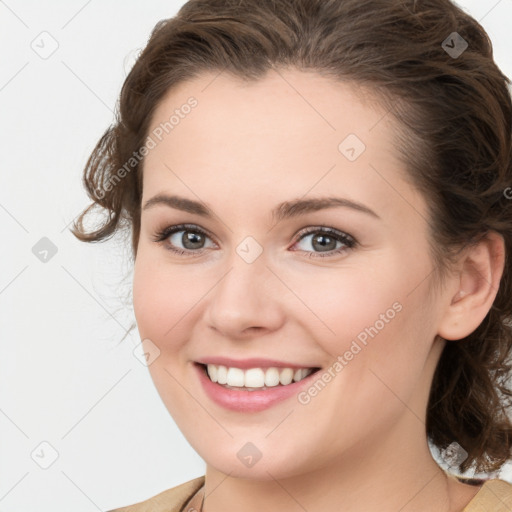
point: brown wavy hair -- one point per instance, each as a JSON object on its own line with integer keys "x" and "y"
{"x": 453, "y": 114}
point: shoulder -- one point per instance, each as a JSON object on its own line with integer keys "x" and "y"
{"x": 170, "y": 500}
{"x": 495, "y": 496}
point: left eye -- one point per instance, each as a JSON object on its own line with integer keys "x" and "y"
{"x": 325, "y": 240}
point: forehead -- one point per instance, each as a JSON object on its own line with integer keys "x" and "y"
{"x": 284, "y": 107}
{"x": 290, "y": 133}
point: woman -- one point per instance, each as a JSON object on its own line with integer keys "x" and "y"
{"x": 318, "y": 193}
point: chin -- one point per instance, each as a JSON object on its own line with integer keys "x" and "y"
{"x": 242, "y": 459}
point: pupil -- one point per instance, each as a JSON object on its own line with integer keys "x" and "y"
{"x": 326, "y": 243}
{"x": 190, "y": 238}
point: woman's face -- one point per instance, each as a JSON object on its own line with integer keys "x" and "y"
{"x": 269, "y": 273}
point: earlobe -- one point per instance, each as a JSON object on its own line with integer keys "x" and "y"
{"x": 476, "y": 286}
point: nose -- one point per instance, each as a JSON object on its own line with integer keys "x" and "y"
{"x": 246, "y": 301}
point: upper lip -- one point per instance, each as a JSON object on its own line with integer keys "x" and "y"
{"x": 253, "y": 362}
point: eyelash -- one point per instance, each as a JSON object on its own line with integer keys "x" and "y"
{"x": 348, "y": 241}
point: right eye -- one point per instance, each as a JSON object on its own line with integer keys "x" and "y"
{"x": 191, "y": 238}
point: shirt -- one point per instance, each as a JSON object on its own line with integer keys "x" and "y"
{"x": 495, "y": 495}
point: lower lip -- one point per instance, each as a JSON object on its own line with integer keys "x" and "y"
{"x": 248, "y": 401}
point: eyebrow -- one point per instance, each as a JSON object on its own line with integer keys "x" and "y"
{"x": 284, "y": 210}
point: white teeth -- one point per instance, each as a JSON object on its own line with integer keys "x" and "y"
{"x": 222, "y": 374}
{"x": 272, "y": 377}
{"x": 301, "y": 374}
{"x": 256, "y": 378}
{"x": 235, "y": 377}
{"x": 286, "y": 376}
{"x": 212, "y": 372}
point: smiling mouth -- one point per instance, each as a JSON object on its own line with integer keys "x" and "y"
{"x": 255, "y": 379}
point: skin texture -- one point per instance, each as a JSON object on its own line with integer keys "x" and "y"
{"x": 360, "y": 443}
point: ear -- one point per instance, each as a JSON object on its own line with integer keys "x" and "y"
{"x": 474, "y": 287}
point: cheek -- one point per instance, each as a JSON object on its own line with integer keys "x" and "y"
{"x": 164, "y": 296}
{"x": 374, "y": 325}
{"x": 163, "y": 303}
{"x": 381, "y": 299}
{"x": 349, "y": 304}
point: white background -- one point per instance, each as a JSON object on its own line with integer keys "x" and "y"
{"x": 65, "y": 377}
